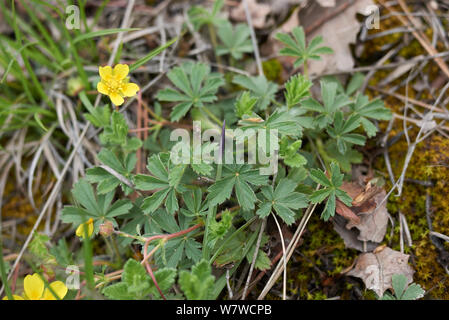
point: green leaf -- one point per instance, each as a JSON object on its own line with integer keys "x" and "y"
{"x": 331, "y": 190}
{"x": 367, "y": 110}
{"x": 296, "y": 89}
{"x": 244, "y": 104}
{"x": 197, "y": 284}
{"x": 135, "y": 277}
{"x": 261, "y": 88}
{"x": 298, "y": 48}
{"x": 289, "y": 152}
{"x": 118, "y": 291}
{"x": 197, "y": 86}
{"x": 151, "y": 55}
{"x": 165, "y": 278}
{"x": 236, "y": 41}
{"x": 283, "y": 200}
{"x": 239, "y": 177}
{"x": 199, "y": 16}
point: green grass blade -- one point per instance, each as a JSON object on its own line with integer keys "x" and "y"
{"x": 151, "y": 55}
{"x": 101, "y": 33}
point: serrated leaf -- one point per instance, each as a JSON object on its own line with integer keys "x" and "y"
{"x": 197, "y": 284}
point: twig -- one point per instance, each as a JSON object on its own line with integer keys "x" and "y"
{"x": 284, "y": 286}
{"x": 253, "y": 261}
{"x": 253, "y": 38}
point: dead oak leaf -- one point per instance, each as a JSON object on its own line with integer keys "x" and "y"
{"x": 376, "y": 269}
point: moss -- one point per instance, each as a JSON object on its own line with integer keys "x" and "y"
{"x": 273, "y": 70}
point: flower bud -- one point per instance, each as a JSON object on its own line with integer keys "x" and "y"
{"x": 106, "y": 228}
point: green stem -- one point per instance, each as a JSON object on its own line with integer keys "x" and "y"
{"x": 212, "y": 116}
{"x": 239, "y": 230}
{"x": 213, "y": 39}
{"x": 306, "y": 72}
{"x": 326, "y": 158}
{"x": 210, "y": 219}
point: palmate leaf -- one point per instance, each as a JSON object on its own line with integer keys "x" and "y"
{"x": 401, "y": 291}
{"x": 283, "y": 200}
{"x": 297, "y": 47}
{"x": 332, "y": 102}
{"x": 261, "y": 88}
{"x": 106, "y": 181}
{"x": 236, "y": 41}
{"x": 331, "y": 190}
{"x": 238, "y": 178}
{"x": 178, "y": 250}
{"x": 341, "y": 132}
{"x": 196, "y": 84}
{"x": 165, "y": 179}
{"x": 366, "y": 109}
{"x": 344, "y": 160}
{"x": 200, "y": 16}
{"x": 98, "y": 207}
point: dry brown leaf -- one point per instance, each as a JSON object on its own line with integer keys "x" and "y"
{"x": 368, "y": 229}
{"x": 338, "y": 32}
{"x": 350, "y": 236}
{"x": 376, "y": 269}
{"x": 373, "y": 223}
{"x": 258, "y": 11}
{"x": 346, "y": 212}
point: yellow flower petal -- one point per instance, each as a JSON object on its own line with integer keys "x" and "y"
{"x": 90, "y": 228}
{"x": 116, "y": 99}
{"x": 105, "y": 72}
{"x": 33, "y": 286}
{"x": 130, "y": 89}
{"x": 121, "y": 71}
{"x": 15, "y": 297}
{"x": 102, "y": 88}
{"x": 59, "y": 288}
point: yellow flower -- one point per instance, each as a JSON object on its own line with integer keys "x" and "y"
{"x": 34, "y": 289}
{"x": 115, "y": 83}
{"x": 90, "y": 228}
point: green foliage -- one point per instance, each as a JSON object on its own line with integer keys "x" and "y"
{"x": 289, "y": 153}
{"x": 366, "y": 109}
{"x": 240, "y": 178}
{"x": 245, "y": 104}
{"x": 98, "y": 207}
{"x": 296, "y": 46}
{"x": 330, "y": 191}
{"x": 165, "y": 178}
{"x": 341, "y": 131}
{"x": 197, "y": 86}
{"x": 332, "y": 102}
{"x": 206, "y": 210}
{"x": 402, "y": 291}
{"x": 200, "y": 16}
{"x": 136, "y": 284}
{"x": 198, "y": 284}
{"x": 283, "y": 200}
{"x": 236, "y": 41}
{"x": 261, "y": 88}
{"x": 296, "y": 89}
